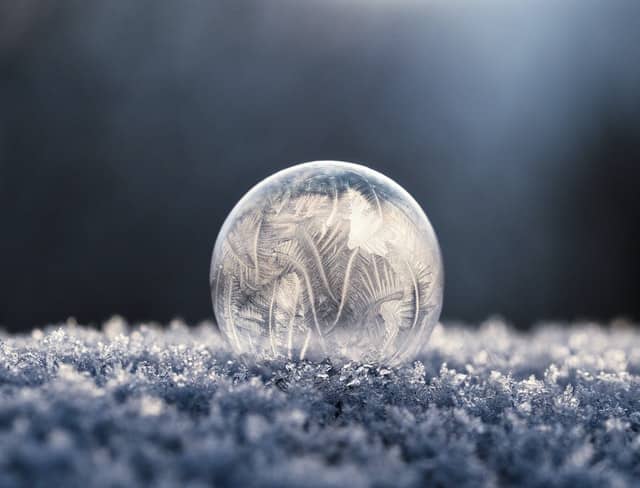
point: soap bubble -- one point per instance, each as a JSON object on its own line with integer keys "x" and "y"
{"x": 327, "y": 259}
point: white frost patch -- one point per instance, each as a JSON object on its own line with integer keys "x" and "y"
{"x": 485, "y": 406}
{"x": 151, "y": 406}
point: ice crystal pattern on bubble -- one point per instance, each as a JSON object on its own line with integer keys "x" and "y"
{"x": 327, "y": 258}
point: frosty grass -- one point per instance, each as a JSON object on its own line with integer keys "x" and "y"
{"x": 487, "y": 406}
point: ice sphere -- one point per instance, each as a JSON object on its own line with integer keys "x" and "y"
{"x": 327, "y": 259}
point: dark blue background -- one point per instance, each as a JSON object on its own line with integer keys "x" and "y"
{"x": 128, "y": 130}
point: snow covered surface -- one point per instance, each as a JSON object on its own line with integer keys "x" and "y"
{"x": 127, "y": 406}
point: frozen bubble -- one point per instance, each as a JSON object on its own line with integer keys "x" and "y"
{"x": 327, "y": 259}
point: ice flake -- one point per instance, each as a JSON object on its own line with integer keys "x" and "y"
{"x": 146, "y": 405}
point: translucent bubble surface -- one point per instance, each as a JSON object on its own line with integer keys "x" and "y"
{"x": 327, "y": 259}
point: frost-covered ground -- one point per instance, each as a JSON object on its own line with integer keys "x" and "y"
{"x": 171, "y": 407}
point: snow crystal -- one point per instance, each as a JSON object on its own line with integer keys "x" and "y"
{"x": 486, "y": 406}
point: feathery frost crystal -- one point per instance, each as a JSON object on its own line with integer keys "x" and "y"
{"x": 327, "y": 258}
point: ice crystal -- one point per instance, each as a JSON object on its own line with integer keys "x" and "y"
{"x": 146, "y": 405}
{"x": 327, "y": 259}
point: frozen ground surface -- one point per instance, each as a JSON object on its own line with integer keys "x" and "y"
{"x": 171, "y": 407}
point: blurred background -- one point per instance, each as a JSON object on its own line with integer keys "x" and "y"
{"x": 128, "y": 130}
